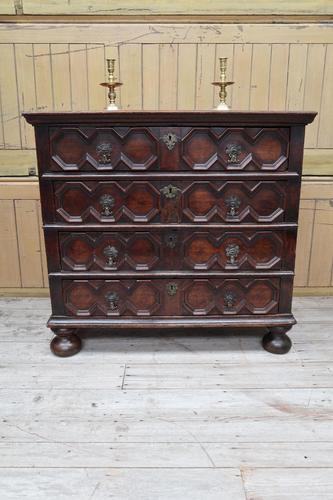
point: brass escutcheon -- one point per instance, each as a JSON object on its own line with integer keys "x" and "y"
{"x": 103, "y": 151}
{"x": 170, "y": 191}
{"x": 171, "y": 240}
{"x": 233, "y": 204}
{"x": 170, "y": 140}
{"x": 229, "y": 299}
{"x": 171, "y": 288}
{"x": 232, "y": 252}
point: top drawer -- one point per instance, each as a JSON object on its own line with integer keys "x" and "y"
{"x": 232, "y": 149}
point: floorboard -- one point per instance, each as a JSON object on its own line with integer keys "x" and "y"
{"x": 166, "y": 416}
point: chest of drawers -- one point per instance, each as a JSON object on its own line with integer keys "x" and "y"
{"x": 170, "y": 219}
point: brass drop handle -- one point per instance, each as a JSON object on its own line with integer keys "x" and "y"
{"x": 233, "y": 203}
{"x": 229, "y": 299}
{"x": 233, "y": 151}
{"x": 232, "y": 252}
{"x": 103, "y": 151}
{"x": 172, "y": 288}
{"x": 111, "y": 253}
{"x": 170, "y": 191}
{"x": 113, "y": 299}
{"x": 170, "y": 140}
{"x": 107, "y": 202}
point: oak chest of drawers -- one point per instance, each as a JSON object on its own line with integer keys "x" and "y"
{"x": 170, "y": 219}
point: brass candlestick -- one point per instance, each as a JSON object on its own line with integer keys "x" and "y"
{"x": 223, "y": 85}
{"x": 111, "y": 84}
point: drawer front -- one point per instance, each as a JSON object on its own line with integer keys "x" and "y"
{"x": 170, "y": 297}
{"x": 169, "y": 148}
{"x": 176, "y": 250}
{"x": 167, "y": 202}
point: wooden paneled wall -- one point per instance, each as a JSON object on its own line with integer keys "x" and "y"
{"x": 164, "y": 66}
{"x": 22, "y": 257}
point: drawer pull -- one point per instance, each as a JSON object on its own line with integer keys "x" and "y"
{"x": 171, "y": 288}
{"x": 233, "y": 151}
{"x": 170, "y": 191}
{"x": 111, "y": 253}
{"x": 171, "y": 240}
{"x": 113, "y": 299}
{"x": 170, "y": 140}
{"x": 229, "y": 299}
{"x": 107, "y": 203}
{"x": 232, "y": 252}
{"x": 233, "y": 204}
{"x": 103, "y": 151}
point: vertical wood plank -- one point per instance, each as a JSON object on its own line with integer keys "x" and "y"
{"x": 42, "y": 246}
{"x": 42, "y": 64}
{"x": 78, "y": 73}
{"x": 26, "y": 90}
{"x": 313, "y": 89}
{"x": 296, "y": 76}
{"x": 205, "y": 75}
{"x": 168, "y": 76}
{"x": 187, "y": 56}
{"x": 9, "y": 99}
{"x": 9, "y": 256}
{"x": 304, "y": 241}
{"x": 224, "y": 50}
{"x": 150, "y": 76}
{"x": 61, "y": 76}
{"x": 242, "y": 76}
{"x": 29, "y": 244}
{"x": 278, "y": 76}
{"x": 260, "y": 76}
{"x": 131, "y": 76}
{"x": 96, "y": 75}
{"x": 322, "y": 246}
{"x": 325, "y": 136}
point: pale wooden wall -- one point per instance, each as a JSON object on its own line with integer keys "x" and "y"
{"x": 164, "y": 66}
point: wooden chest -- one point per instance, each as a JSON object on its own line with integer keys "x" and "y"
{"x": 170, "y": 219}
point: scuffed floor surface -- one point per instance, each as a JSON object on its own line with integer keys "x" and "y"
{"x": 166, "y": 416}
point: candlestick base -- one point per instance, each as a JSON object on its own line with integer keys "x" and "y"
{"x": 222, "y": 107}
{"x": 112, "y": 107}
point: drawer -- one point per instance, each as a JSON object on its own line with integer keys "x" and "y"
{"x": 78, "y": 148}
{"x": 176, "y": 249}
{"x": 169, "y": 297}
{"x": 208, "y": 201}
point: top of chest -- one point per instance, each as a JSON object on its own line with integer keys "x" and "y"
{"x": 142, "y": 141}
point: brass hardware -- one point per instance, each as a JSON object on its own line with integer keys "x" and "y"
{"x": 113, "y": 299}
{"x": 170, "y": 191}
{"x": 111, "y": 253}
{"x": 104, "y": 152}
{"x": 232, "y": 252}
{"x": 170, "y": 140}
{"x": 223, "y": 84}
{"x": 233, "y": 204}
{"x": 171, "y": 240}
{"x": 172, "y": 288}
{"x": 107, "y": 202}
{"x": 111, "y": 84}
{"x": 229, "y": 299}
{"x": 233, "y": 151}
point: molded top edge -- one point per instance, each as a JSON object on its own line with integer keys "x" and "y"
{"x": 210, "y": 117}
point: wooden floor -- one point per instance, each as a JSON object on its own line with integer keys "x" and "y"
{"x": 166, "y": 417}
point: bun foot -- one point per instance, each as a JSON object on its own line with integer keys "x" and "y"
{"x": 65, "y": 343}
{"x": 277, "y": 341}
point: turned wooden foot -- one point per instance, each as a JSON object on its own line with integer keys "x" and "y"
{"x": 276, "y": 340}
{"x": 65, "y": 343}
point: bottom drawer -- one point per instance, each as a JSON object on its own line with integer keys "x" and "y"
{"x": 169, "y": 297}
